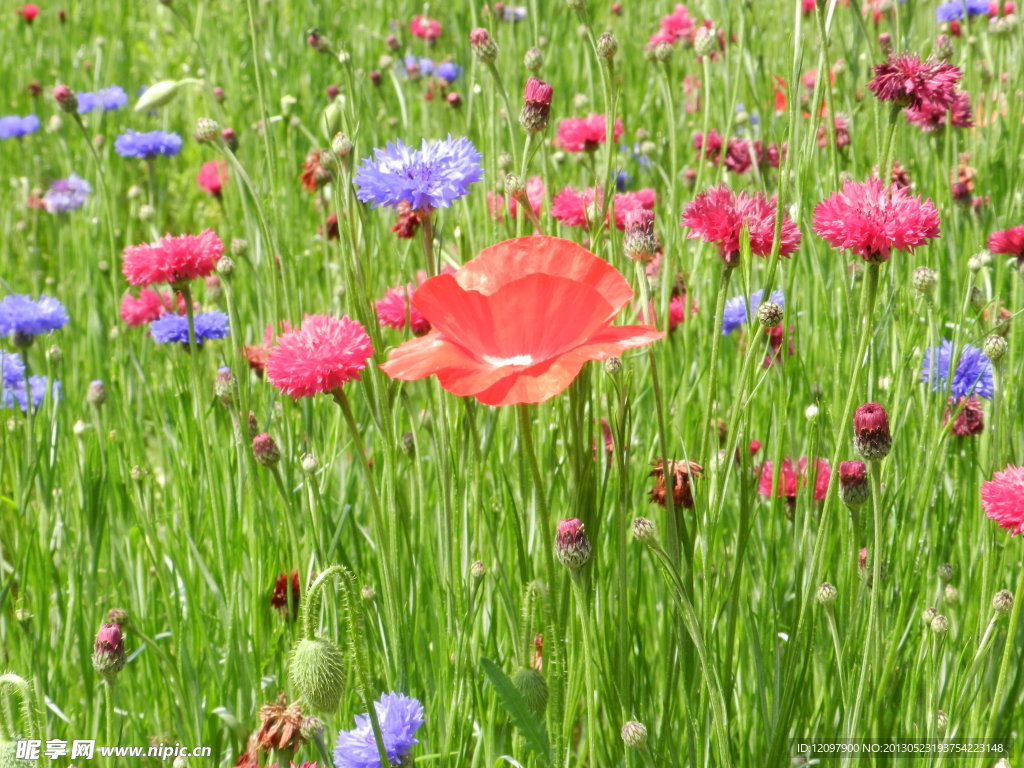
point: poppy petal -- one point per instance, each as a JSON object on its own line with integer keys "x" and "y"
{"x": 504, "y": 262}
{"x": 456, "y": 369}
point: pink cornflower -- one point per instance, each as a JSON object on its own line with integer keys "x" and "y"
{"x": 871, "y": 219}
{"x": 585, "y": 134}
{"x": 395, "y": 308}
{"x": 711, "y": 148}
{"x": 173, "y": 260}
{"x": 842, "y": 128}
{"x": 910, "y": 82}
{"x": 626, "y": 203}
{"x": 581, "y": 208}
{"x": 1009, "y": 241}
{"x": 675, "y": 26}
{"x": 1002, "y": 498}
{"x": 930, "y": 117}
{"x": 212, "y": 177}
{"x": 426, "y": 28}
{"x": 719, "y": 215}
{"x": 790, "y": 478}
{"x": 149, "y": 306}
{"x": 534, "y": 195}
{"x": 318, "y": 357}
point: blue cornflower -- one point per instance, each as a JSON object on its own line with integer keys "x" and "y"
{"x": 171, "y": 328}
{"x": 147, "y": 145}
{"x": 737, "y": 309}
{"x": 67, "y": 194}
{"x": 400, "y": 716}
{"x": 514, "y": 13}
{"x": 448, "y": 71}
{"x": 25, "y": 317}
{"x": 14, "y": 127}
{"x": 423, "y": 66}
{"x": 433, "y": 176}
{"x": 12, "y": 370}
{"x": 87, "y": 102}
{"x": 954, "y": 10}
{"x": 973, "y": 375}
{"x": 106, "y": 99}
{"x": 622, "y": 180}
{"x": 34, "y": 389}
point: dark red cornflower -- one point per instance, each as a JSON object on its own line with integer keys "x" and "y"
{"x": 719, "y": 216}
{"x": 842, "y": 129}
{"x": 931, "y": 117}
{"x": 777, "y": 338}
{"x": 970, "y": 418}
{"x": 408, "y": 222}
{"x": 854, "y": 489}
{"x": 910, "y": 82}
{"x": 871, "y": 220}
{"x": 425, "y": 28}
{"x": 314, "y": 173}
{"x": 710, "y": 148}
{"x": 792, "y": 478}
{"x": 1009, "y": 241}
{"x": 871, "y": 436}
{"x": 280, "y": 599}
{"x": 738, "y": 157}
{"x": 330, "y": 227}
{"x": 680, "y": 472}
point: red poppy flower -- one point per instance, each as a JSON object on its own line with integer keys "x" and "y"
{"x": 502, "y": 329}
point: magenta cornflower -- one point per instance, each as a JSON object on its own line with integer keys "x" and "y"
{"x": 318, "y": 357}
{"x": 585, "y": 134}
{"x": 718, "y": 216}
{"x": 1009, "y": 241}
{"x": 581, "y": 208}
{"x": 792, "y": 478}
{"x": 871, "y": 219}
{"x": 910, "y": 82}
{"x": 1002, "y": 498}
{"x": 425, "y": 28}
{"x": 871, "y": 436}
{"x": 173, "y": 260}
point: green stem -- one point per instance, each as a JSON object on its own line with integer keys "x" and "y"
{"x": 1004, "y": 665}
{"x": 589, "y": 665}
{"x": 108, "y": 697}
{"x": 716, "y": 338}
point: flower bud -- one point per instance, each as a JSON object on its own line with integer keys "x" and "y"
{"x": 207, "y": 130}
{"x": 117, "y": 616}
{"x": 224, "y": 385}
{"x": 924, "y": 280}
{"x": 939, "y": 624}
{"x": 639, "y": 241}
{"x": 943, "y": 48}
{"x": 607, "y": 46}
{"x": 941, "y": 721}
{"x": 147, "y": 213}
{"x": 1002, "y": 602}
{"x": 536, "y": 106}
{"x": 230, "y": 138}
{"x": 477, "y": 570}
{"x": 827, "y": 594}
{"x": 367, "y": 592}
{"x": 530, "y": 683}
{"x": 96, "y": 394}
{"x": 946, "y": 573}
{"x": 644, "y": 530}
{"x": 979, "y": 261}
{"x": 950, "y": 595}
{"x": 225, "y": 266}
{"x": 533, "y": 60}
{"x": 769, "y": 314}
{"x": 265, "y": 450}
{"x": 634, "y": 734}
{"x": 514, "y": 186}
{"x": 341, "y": 145}
{"x": 927, "y": 615}
{"x": 108, "y": 656}
{"x": 613, "y": 365}
{"x": 316, "y": 670}
{"x": 310, "y": 463}
{"x": 311, "y": 727}
{"x": 854, "y": 490}
{"x": 994, "y": 347}
{"x": 704, "y": 41}
{"x": 66, "y": 99}
{"x": 483, "y": 45}
{"x": 871, "y": 436}
{"x": 504, "y": 161}
{"x": 662, "y": 52}
{"x": 572, "y": 546}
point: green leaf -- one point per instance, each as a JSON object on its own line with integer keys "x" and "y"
{"x": 522, "y": 716}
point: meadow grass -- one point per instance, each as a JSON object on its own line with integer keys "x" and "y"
{"x": 711, "y": 637}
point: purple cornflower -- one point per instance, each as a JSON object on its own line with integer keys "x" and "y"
{"x": 14, "y": 126}
{"x": 399, "y": 715}
{"x": 33, "y": 390}
{"x": 170, "y": 328}
{"x": 973, "y": 375}
{"x": 433, "y": 176}
{"x": 12, "y": 370}
{"x": 954, "y": 9}
{"x": 67, "y": 194}
{"x": 448, "y": 71}
{"x": 106, "y": 99}
{"x": 147, "y": 145}
{"x": 25, "y": 318}
{"x": 737, "y": 309}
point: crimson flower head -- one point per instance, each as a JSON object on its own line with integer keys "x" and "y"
{"x": 394, "y": 309}
{"x": 1009, "y": 241}
{"x": 517, "y": 323}
{"x": 212, "y": 177}
{"x": 871, "y": 219}
{"x": 536, "y": 105}
{"x": 149, "y": 306}
{"x": 969, "y": 419}
{"x": 1002, "y": 498}
{"x": 910, "y": 82}
{"x": 572, "y": 545}
{"x": 426, "y": 28}
{"x": 319, "y": 356}
{"x": 28, "y": 12}
{"x": 791, "y": 478}
{"x": 719, "y": 215}
{"x": 174, "y": 260}
{"x": 871, "y": 435}
{"x": 585, "y": 134}
{"x": 853, "y": 483}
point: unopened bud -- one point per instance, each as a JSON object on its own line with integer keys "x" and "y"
{"x": 96, "y": 394}
{"x": 572, "y": 545}
{"x": 769, "y": 314}
{"x": 533, "y": 60}
{"x": 477, "y": 570}
{"x": 341, "y": 145}
{"x": 946, "y": 573}
{"x": 230, "y": 138}
{"x": 939, "y": 625}
{"x": 634, "y": 734}
{"x": 514, "y": 186}
{"x": 311, "y": 727}
{"x": 924, "y": 280}
{"x": 607, "y": 46}
{"x": 483, "y": 45}
{"x": 224, "y": 385}
{"x": 639, "y": 241}
{"x": 207, "y": 130}
{"x": 644, "y": 530}
{"x": 951, "y": 595}
{"x": 316, "y": 669}
{"x": 704, "y": 41}
{"x": 871, "y": 436}
{"x": 1002, "y": 602}
{"x": 265, "y": 450}
{"x": 827, "y": 594}
{"x": 108, "y": 656}
{"x": 66, "y": 99}
{"x": 613, "y": 365}
{"x": 531, "y": 684}
{"x": 225, "y": 266}
{"x": 927, "y": 615}
{"x": 310, "y": 463}
{"x": 239, "y": 248}
{"x": 994, "y": 347}
{"x": 117, "y": 616}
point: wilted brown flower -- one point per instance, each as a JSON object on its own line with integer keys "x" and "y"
{"x": 681, "y": 472}
{"x": 280, "y": 726}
